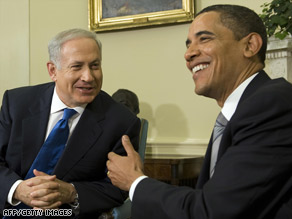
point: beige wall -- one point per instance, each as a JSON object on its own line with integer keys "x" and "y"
{"x": 14, "y": 44}
{"x": 149, "y": 61}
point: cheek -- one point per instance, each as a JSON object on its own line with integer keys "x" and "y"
{"x": 98, "y": 77}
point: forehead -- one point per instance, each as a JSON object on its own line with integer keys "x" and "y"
{"x": 209, "y": 23}
{"x": 206, "y": 21}
{"x": 80, "y": 46}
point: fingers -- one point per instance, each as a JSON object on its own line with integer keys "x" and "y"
{"x": 109, "y": 166}
{"x": 44, "y": 194}
{"x": 41, "y": 180}
{"x": 39, "y": 173}
{"x": 112, "y": 155}
{"x": 44, "y": 200}
{"x": 46, "y": 176}
{"x": 45, "y": 186}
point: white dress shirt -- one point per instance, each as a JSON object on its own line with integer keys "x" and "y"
{"x": 57, "y": 111}
{"x": 227, "y": 110}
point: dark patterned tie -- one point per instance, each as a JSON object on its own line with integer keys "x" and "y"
{"x": 219, "y": 127}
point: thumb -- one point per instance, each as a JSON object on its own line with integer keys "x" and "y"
{"x": 40, "y": 173}
{"x": 128, "y": 145}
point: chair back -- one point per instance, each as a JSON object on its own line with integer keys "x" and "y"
{"x": 143, "y": 138}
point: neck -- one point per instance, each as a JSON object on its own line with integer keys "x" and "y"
{"x": 245, "y": 74}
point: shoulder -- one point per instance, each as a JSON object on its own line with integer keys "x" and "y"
{"x": 274, "y": 92}
{"x": 104, "y": 102}
{"x": 26, "y": 92}
{"x": 268, "y": 101}
{"x": 25, "y": 97}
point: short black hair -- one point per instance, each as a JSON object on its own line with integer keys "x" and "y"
{"x": 241, "y": 21}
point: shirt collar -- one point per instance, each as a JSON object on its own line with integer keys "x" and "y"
{"x": 232, "y": 101}
{"x": 57, "y": 104}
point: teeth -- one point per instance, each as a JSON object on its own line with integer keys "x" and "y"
{"x": 200, "y": 67}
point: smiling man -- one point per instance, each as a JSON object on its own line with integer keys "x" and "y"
{"x": 75, "y": 176}
{"x": 246, "y": 174}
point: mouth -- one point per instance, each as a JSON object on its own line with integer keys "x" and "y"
{"x": 199, "y": 67}
{"x": 86, "y": 90}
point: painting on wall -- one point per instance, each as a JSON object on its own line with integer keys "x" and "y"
{"x": 107, "y": 15}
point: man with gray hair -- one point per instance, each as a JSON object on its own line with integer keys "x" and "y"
{"x": 55, "y": 137}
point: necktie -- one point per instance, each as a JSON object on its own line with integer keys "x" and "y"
{"x": 219, "y": 127}
{"x": 53, "y": 147}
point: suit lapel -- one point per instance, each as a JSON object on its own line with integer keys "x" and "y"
{"x": 85, "y": 135}
{"x": 34, "y": 128}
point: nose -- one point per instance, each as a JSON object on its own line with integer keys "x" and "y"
{"x": 87, "y": 75}
{"x": 191, "y": 53}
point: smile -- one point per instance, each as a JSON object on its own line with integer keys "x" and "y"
{"x": 86, "y": 90}
{"x": 199, "y": 67}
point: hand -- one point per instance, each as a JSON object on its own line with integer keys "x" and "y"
{"x": 124, "y": 170}
{"x": 51, "y": 194}
{"x": 47, "y": 192}
{"x": 23, "y": 190}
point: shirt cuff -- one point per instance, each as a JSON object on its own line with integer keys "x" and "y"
{"x": 11, "y": 192}
{"x": 134, "y": 185}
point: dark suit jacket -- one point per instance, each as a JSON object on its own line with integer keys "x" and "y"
{"x": 23, "y": 122}
{"x": 253, "y": 175}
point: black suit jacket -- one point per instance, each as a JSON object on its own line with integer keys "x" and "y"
{"x": 23, "y": 122}
{"x": 253, "y": 175}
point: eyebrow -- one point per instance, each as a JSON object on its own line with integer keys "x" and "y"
{"x": 204, "y": 32}
{"x": 188, "y": 42}
{"x": 81, "y": 62}
{"x": 198, "y": 34}
{"x": 74, "y": 63}
{"x": 95, "y": 61}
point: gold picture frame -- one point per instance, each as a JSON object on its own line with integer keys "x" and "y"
{"x": 107, "y": 15}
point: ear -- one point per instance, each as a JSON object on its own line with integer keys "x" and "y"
{"x": 52, "y": 69}
{"x": 253, "y": 43}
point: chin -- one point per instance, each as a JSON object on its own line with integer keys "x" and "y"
{"x": 84, "y": 100}
{"x": 200, "y": 91}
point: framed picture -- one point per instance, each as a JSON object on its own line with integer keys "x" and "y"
{"x": 106, "y": 15}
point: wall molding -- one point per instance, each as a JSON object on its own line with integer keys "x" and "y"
{"x": 278, "y": 54}
{"x": 279, "y": 58}
{"x": 187, "y": 147}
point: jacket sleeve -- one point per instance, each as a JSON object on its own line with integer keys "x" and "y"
{"x": 7, "y": 176}
{"x": 100, "y": 195}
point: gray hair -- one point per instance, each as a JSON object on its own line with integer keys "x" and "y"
{"x": 55, "y": 45}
